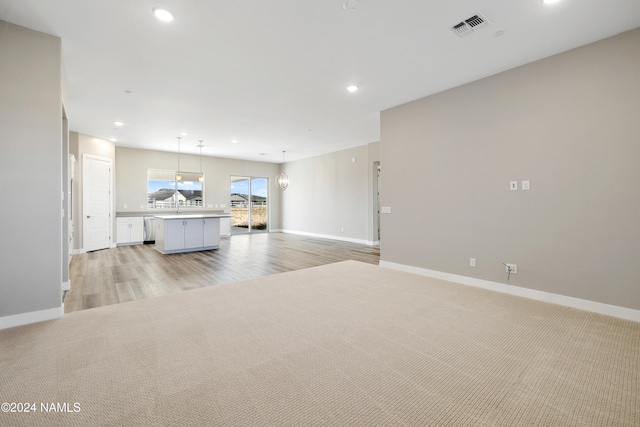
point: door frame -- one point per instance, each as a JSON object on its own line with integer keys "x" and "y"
{"x": 376, "y": 203}
{"x": 250, "y": 229}
{"x": 85, "y": 157}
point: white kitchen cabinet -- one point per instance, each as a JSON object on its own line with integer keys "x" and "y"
{"x": 225, "y": 227}
{"x": 183, "y": 234}
{"x": 193, "y": 237}
{"x": 170, "y": 235}
{"x": 187, "y": 233}
{"x": 129, "y": 230}
{"x": 211, "y": 231}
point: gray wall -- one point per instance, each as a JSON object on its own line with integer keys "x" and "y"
{"x": 131, "y": 178}
{"x": 31, "y": 168}
{"x": 569, "y": 124}
{"x": 330, "y": 193}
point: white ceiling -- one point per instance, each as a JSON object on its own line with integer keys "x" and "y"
{"x": 272, "y": 74}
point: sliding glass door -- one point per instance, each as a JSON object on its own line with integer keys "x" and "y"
{"x": 249, "y": 204}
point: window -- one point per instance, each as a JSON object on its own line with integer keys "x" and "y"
{"x": 164, "y": 191}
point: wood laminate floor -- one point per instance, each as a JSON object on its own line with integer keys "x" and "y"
{"x": 127, "y": 273}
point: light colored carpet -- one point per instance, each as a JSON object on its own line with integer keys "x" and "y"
{"x": 347, "y": 344}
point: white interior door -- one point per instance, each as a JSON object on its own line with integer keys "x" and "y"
{"x": 96, "y": 184}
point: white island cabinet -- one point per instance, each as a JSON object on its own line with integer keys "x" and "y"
{"x": 187, "y": 233}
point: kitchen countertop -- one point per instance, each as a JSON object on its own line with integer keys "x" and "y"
{"x": 160, "y": 213}
{"x": 191, "y": 216}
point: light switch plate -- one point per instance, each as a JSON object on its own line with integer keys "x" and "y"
{"x": 513, "y": 185}
{"x": 385, "y": 209}
{"x": 525, "y": 185}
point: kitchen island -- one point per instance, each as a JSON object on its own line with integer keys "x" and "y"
{"x": 188, "y": 232}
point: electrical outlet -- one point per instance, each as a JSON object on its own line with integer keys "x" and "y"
{"x": 512, "y": 267}
{"x": 525, "y": 185}
{"x": 472, "y": 262}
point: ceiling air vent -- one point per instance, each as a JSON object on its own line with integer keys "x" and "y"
{"x": 469, "y": 25}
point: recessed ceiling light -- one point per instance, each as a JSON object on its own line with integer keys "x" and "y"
{"x": 550, "y": 1}
{"x": 352, "y": 88}
{"x": 184, "y": 133}
{"x": 235, "y": 141}
{"x": 118, "y": 123}
{"x": 350, "y": 5}
{"x": 162, "y": 14}
{"x": 112, "y": 139}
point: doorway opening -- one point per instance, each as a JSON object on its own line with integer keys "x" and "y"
{"x": 249, "y": 200}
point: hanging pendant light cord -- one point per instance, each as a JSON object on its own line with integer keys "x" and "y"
{"x": 179, "y": 139}
{"x": 201, "y": 176}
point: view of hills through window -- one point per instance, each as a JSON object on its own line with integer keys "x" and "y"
{"x": 165, "y": 192}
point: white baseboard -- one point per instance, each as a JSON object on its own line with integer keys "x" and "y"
{"x": 326, "y": 236}
{"x": 31, "y": 317}
{"x": 581, "y": 304}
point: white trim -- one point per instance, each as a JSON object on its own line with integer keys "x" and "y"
{"x": 66, "y": 285}
{"x": 326, "y": 236}
{"x": 581, "y": 304}
{"x": 31, "y": 317}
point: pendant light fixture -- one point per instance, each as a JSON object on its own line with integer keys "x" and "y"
{"x": 282, "y": 180}
{"x": 201, "y": 176}
{"x": 178, "y": 174}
